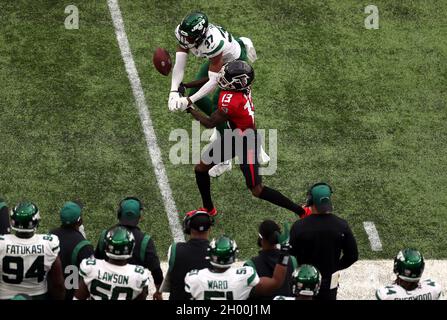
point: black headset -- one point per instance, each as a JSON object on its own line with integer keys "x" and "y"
{"x": 309, "y": 199}
{"x": 120, "y": 212}
{"x": 191, "y": 215}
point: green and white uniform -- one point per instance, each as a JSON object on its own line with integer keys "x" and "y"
{"x": 216, "y": 41}
{"x": 106, "y": 281}
{"x": 426, "y": 290}
{"x": 24, "y": 264}
{"x": 233, "y": 284}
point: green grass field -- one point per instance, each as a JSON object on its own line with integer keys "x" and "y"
{"x": 362, "y": 109}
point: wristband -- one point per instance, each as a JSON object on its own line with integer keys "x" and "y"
{"x": 283, "y": 259}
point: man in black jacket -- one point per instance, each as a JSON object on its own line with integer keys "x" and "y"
{"x": 265, "y": 262}
{"x": 323, "y": 240}
{"x": 4, "y": 218}
{"x": 186, "y": 256}
{"x": 73, "y": 246}
{"x": 144, "y": 253}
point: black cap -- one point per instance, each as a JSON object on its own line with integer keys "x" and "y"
{"x": 267, "y": 230}
{"x": 200, "y": 222}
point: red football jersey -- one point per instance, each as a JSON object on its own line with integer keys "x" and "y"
{"x": 238, "y": 105}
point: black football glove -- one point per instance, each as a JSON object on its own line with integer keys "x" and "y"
{"x": 182, "y": 89}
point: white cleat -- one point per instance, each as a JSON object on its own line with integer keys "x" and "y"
{"x": 263, "y": 157}
{"x": 220, "y": 168}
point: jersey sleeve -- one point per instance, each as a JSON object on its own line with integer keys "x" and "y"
{"x": 86, "y": 268}
{"x": 382, "y": 294}
{"x": 214, "y": 43}
{"x": 252, "y": 276}
{"x": 143, "y": 280}
{"x": 2, "y": 245}
{"x": 52, "y": 249}
{"x": 191, "y": 282}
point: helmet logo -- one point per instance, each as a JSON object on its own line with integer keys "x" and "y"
{"x": 242, "y": 79}
{"x": 199, "y": 25}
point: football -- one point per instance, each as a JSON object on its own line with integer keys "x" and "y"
{"x": 162, "y": 61}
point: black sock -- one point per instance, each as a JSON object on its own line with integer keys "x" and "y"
{"x": 276, "y": 197}
{"x": 204, "y": 185}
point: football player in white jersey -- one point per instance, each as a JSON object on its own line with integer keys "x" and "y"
{"x": 29, "y": 262}
{"x": 205, "y": 40}
{"x": 408, "y": 266}
{"x": 224, "y": 282}
{"x": 306, "y": 281}
{"x": 114, "y": 279}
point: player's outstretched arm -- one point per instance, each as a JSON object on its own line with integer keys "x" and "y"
{"x": 177, "y": 76}
{"x": 56, "y": 287}
{"x": 266, "y": 285}
{"x": 216, "y": 64}
{"x": 216, "y": 118}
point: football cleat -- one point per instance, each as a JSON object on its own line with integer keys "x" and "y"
{"x": 220, "y": 168}
{"x": 212, "y": 212}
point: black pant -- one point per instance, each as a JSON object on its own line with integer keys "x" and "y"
{"x": 244, "y": 145}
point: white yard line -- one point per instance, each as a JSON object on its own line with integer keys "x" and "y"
{"x": 373, "y": 235}
{"x": 146, "y": 122}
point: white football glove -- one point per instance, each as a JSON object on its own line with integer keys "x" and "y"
{"x": 182, "y": 104}
{"x": 173, "y": 97}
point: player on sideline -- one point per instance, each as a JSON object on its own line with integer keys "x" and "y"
{"x": 235, "y": 106}
{"x": 205, "y": 40}
{"x": 29, "y": 262}
{"x": 306, "y": 281}
{"x": 224, "y": 282}
{"x": 114, "y": 279}
{"x": 408, "y": 266}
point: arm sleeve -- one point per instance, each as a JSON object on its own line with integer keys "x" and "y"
{"x": 4, "y": 219}
{"x": 350, "y": 251}
{"x": 85, "y": 253}
{"x": 179, "y": 69}
{"x": 293, "y": 251}
{"x": 152, "y": 262}
{"x": 207, "y": 88}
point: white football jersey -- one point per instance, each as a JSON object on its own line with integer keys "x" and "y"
{"x": 106, "y": 281}
{"x": 233, "y": 284}
{"x": 426, "y": 290}
{"x": 217, "y": 40}
{"x": 284, "y": 298}
{"x": 24, "y": 264}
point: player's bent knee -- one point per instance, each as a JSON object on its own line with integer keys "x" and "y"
{"x": 256, "y": 190}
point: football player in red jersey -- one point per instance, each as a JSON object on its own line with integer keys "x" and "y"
{"x": 235, "y": 106}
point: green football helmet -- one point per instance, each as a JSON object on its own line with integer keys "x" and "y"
{"x": 191, "y": 31}
{"x": 409, "y": 265}
{"x": 222, "y": 252}
{"x": 306, "y": 281}
{"x": 119, "y": 243}
{"x": 25, "y": 217}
